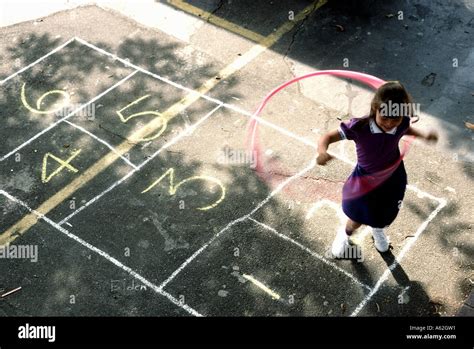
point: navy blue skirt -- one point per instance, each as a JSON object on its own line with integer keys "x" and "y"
{"x": 378, "y": 207}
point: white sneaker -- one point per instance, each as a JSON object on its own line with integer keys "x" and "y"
{"x": 340, "y": 243}
{"x": 380, "y": 240}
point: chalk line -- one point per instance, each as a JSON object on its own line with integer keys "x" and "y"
{"x": 312, "y": 253}
{"x": 67, "y": 116}
{"x": 184, "y": 133}
{"x": 262, "y": 286}
{"x": 104, "y": 255}
{"x": 399, "y": 258}
{"x": 37, "y": 61}
{"x": 101, "y": 141}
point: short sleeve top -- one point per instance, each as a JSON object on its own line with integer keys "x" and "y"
{"x": 376, "y": 149}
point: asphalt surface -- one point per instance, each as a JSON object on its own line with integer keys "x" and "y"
{"x": 261, "y": 249}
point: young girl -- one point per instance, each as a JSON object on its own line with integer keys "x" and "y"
{"x": 374, "y": 191}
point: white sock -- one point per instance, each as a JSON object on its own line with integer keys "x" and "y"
{"x": 380, "y": 240}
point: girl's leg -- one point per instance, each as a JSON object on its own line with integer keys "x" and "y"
{"x": 341, "y": 242}
{"x": 351, "y": 226}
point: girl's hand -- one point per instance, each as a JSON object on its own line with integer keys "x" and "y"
{"x": 432, "y": 137}
{"x": 323, "y": 158}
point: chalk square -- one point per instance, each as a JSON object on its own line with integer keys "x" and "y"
{"x": 163, "y": 226}
{"x": 249, "y": 271}
{"x": 314, "y": 225}
{"x": 41, "y": 170}
{"x": 68, "y": 279}
{"x": 133, "y": 114}
{"x": 47, "y": 91}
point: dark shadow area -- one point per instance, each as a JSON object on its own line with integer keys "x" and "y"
{"x": 412, "y": 300}
{"x": 453, "y": 235}
{"x": 85, "y": 73}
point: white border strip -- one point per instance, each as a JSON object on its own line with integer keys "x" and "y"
{"x": 399, "y": 258}
{"x": 37, "y": 61}
{"x": 101, "y": 141}
{"x": 104, "y": 255}
{"x": 185, "y": 133}
{"x": 68, "y": 116}
{"x": 314, "y": 254}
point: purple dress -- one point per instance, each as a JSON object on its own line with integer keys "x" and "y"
{"x": 373, "y": 192}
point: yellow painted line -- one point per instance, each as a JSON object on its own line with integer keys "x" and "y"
{"x": 218, "y": 21}
{"x": 256, "y": 50}
{"x": 262, "y": 286}
{"x": 31, "y": 219}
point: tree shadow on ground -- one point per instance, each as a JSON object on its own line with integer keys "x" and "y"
{"x": 160, "y": 240}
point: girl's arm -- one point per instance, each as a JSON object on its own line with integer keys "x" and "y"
{"x": 323, "y": 144}
{"x": 431, "y": 136}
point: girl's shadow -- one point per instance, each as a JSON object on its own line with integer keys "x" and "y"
{"x": 412, "y": 300}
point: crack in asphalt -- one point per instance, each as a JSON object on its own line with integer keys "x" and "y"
{"x": 213, "y": 12}
{"x": 293, "y": 39}
{"x": 276, "y": 173}
{"x": 116, "y": 134}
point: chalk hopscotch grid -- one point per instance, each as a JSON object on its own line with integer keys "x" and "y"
{"x": 104, "y": 255}
{"x": 442, "y": 202}
{"x": 56, "y": 123}
{"x": 312, "y": 253}
{"x": 286, "y": 132}
{"x": 82, "y": 129}
{"x": 136, "y": 168}
{"x": 186, "y": 132}
{"x": 137, "y": 69}
{"x": 173, "y": 141}
{"x": 158, "y": 289}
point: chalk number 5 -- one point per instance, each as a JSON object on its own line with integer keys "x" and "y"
{"x": 161, "y": 119}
